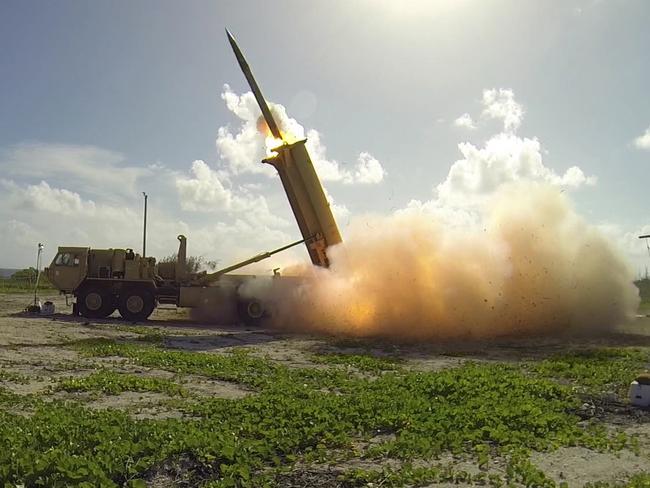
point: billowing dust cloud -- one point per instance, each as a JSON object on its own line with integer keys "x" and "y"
{"x": 533, "y": 267}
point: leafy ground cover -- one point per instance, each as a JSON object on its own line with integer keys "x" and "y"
{"x": 112, "y": 383}
{"x": 13, "y": 377}
{"x": 307, "y": 415}
{"x": 599, "y": 370}
{"x": 361, "y": 362}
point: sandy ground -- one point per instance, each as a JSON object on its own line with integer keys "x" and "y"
{"x": 32, "y": 346}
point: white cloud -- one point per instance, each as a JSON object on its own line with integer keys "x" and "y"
{"x": 45, "y": 199}
{"x": 243, "y": 149}
{"x": 627, "y": 240}
{"x": 230, "y": 242}
{"x": 57, "y": 217}
{"x": 340, "y": 211}
{"x": 56, "y": 200}
{"x": 42, "y": 197}
{"x": 501, "y": 104}
{"x": 19, "y": 233}
{"x": 55, "y": 208}
{"x": 94, "y": 169}
{"x": 573, "y": 177}
{"x": 327, "y": 169}
{"x": 203, "y": 190}
{"x": 368, "y": 170}
{"x": 643, "y": 141}
{"x": 505, "y": 158}
{"x": 209, "y": 190}
{"x": 465, "y": 121}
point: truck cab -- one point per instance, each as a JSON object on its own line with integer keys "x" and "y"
{"x": 68, "y": 268}
{"x": 103, "y": 280}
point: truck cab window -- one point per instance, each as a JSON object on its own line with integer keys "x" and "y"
{"x": 66, "y": 259}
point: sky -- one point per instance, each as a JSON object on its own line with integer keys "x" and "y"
{"x": 421, "y": 105}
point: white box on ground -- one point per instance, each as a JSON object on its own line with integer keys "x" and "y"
{"x": 640, "y": 391}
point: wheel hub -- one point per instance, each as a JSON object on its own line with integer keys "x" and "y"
{"x": 135, "y": 304}
{"x": 93, "y": 301}
{"x": 255, "y": 310}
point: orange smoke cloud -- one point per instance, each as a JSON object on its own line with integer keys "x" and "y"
{"x": 534, "y": 266}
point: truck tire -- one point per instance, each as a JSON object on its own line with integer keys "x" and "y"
{"x": 136, "y": 304}
{"x": 95, "y": 302}
{"x": 251, "y": 311}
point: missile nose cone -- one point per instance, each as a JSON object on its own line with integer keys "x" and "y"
{"x": 238, "y": 54}
{"x": 254, "y": 87}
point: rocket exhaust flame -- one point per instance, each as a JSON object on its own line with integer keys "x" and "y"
{"x": 533, "y": 267}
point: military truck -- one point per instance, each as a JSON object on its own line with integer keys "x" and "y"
{"x": 103, "y": 280}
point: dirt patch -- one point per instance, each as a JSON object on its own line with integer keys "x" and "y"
{"x": 578, "y": 466}
{"x": 30, "y": 388}
{"x": 325, "y": 477}
{"x": 611, "y": 410}
{"x": 199, "y": 385}
{"x": 142, "y": 404}
{"x": 38, "y": 355}
{"x": 181, "y": 471}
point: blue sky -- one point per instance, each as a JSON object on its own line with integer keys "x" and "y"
{"x": 102, "y": 100}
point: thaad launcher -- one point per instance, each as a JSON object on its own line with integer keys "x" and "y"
{"x": 299, "y": 178}
{"x": 103, "y": 280}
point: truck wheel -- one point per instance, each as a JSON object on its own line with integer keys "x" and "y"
{"x": 95, "y": 303}
{"x": 251, "y": 311}
{"x": 136, "y": 304}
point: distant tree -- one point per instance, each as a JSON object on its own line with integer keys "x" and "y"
{"x": 27, "y": 274}
{"x": 644, "y": 289}
{"x": 27, "y": 277}
{"x": 194, "y": 264}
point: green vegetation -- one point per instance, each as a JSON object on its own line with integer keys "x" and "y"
{"x": 360, "y": 362}
{"x": 13, "y": 377}
{"x": 641, "y": 480}
{"x": 306, "y": 415}
{"x": 24, "y": 281}
{"x": 193, "y": 264}
{"x": 112, "y": 383}
{"x": 598, "y": 370}
{"x": 644, "y": 293}
{"x": 237, "y": 366}
{"x": 519, "y": 470}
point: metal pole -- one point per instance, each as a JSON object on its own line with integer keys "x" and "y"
{"x": 144, "y": 230}
{"x": 38, "y": 272}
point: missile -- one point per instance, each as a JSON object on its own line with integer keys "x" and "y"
{"x": 266, "y": 112}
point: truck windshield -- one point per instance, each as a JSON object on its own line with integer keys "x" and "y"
{"x": 66, "y": 259}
